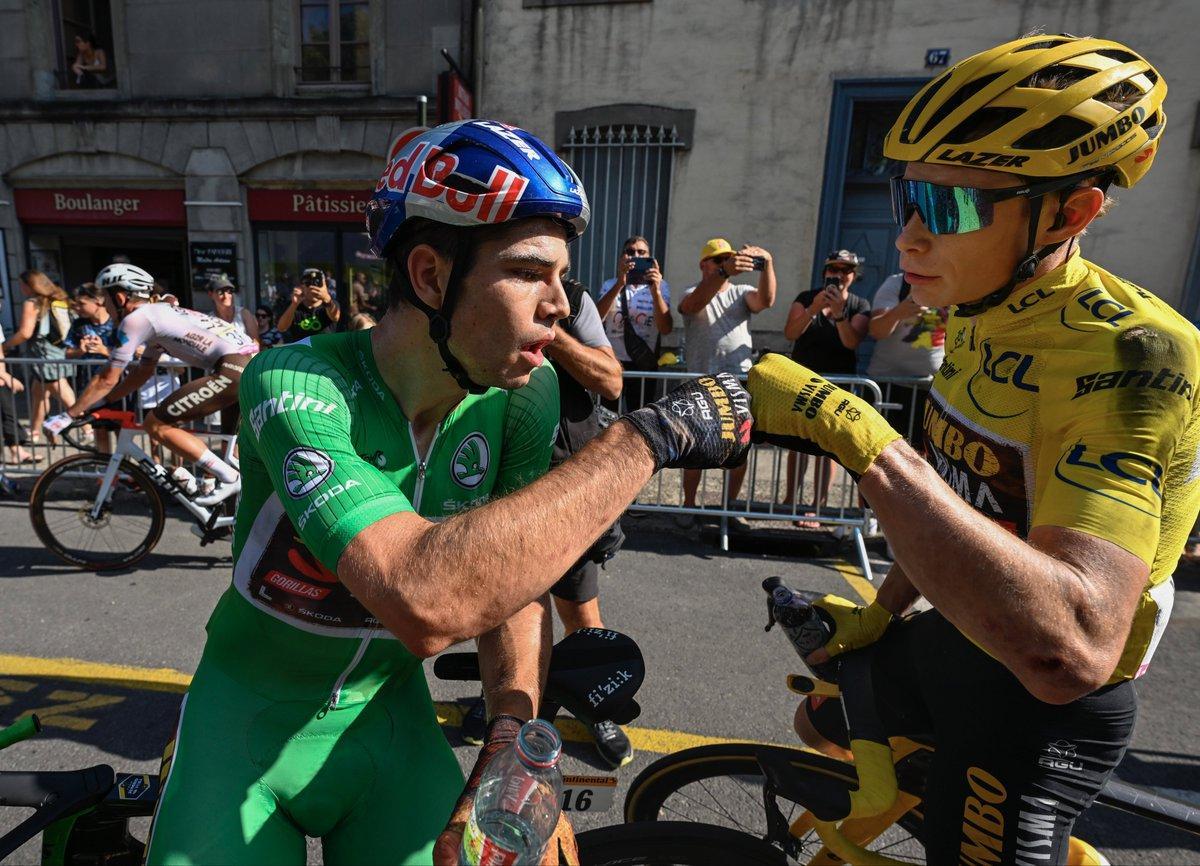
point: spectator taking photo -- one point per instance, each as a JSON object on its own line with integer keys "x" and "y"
{"x": 312, "y": 308}
{"x": 636, "y": 308}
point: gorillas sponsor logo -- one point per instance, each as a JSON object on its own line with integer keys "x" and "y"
{"x": 814, "y": 393}
{"x": 988, "y": 474}
{"x": 982, "y": 159}
{"x": 182, "y": 403}
{"x": 1114, "y": 131}
{"x": 1099, "y": 304}
{"x": 1116, "y": 475}
{"x": 1164, "y": 380}
{"x": 1028, "y": 300}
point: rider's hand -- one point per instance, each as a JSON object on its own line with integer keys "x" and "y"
{"x": 795, "y": 408}
{"x": 855, "y": 626}
{"x": 702, "y": 424}
{"x": 55, "y": 424}
{"x": 501, "y": 733}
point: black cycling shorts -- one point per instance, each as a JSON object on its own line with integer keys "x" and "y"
{"x": 201, "y": 397}
{"x": 580, "y": 584}
{"x": 1010, "y": 773}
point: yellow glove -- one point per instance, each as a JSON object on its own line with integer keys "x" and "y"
{"x": 854, "y": 626}
{"x": 795, "y": 408}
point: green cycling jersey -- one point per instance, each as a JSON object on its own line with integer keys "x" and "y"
{"x": 306, "y": 716}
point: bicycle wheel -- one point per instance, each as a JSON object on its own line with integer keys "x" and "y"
{"x": 678, "y": 843}
{"x": 723, "y": 785}
{"x": 127, "y": 528}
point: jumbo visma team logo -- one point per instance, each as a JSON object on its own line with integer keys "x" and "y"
{"x": 471, "y": 460}
{"x": 304, "y": 470}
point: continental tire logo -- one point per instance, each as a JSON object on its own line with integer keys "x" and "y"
{"x": 304, "y": 470}
{"x": 471, "y": 461}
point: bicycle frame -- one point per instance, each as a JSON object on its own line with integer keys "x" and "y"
{"x": 128, "y": 448}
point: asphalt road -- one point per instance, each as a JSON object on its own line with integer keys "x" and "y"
{"x": 698, "y": 614}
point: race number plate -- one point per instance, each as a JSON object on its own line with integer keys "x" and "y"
{"x": 588, "y": 793}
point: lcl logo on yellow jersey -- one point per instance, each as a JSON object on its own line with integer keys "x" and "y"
{"x": 1012, "y": 370}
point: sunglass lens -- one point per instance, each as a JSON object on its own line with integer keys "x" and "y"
{"x": 945, "y": 210}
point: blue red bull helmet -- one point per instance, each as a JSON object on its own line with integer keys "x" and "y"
{"x": 470, "y": 173}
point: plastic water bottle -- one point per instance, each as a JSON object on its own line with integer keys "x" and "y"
{"x": 518, "y": 801}
{"x": 804, "y": 625}
{"x": 185, "y": 479}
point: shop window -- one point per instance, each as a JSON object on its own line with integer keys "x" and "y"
{"x": 355, "y": 275}
{"x": 84, "y": 45}
{"x": 334, "y": 44}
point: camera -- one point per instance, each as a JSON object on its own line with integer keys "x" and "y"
{"x": 758, "y": 263}
{"x": 832, "y": 283}
{"x": 641, "y": 264}
{"x": 312, "y": 277}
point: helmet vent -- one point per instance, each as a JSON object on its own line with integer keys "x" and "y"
{"x": 1057, "y": 133}
{"x": 962, "y": 95}
{"x": 983, "y": 122}
{"x": 915, "y": 112}
{"x": 462, "y": 183}
{"x": 1119, "y": 55}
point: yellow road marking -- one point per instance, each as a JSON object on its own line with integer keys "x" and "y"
{"x": 655, "y": 740}
{"x": 854, "y": 576}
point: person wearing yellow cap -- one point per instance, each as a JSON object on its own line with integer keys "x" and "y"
{"x": 716, "y": 320}
{"x": 1058, "y": 482}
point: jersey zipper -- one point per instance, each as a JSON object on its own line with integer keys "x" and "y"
{"x": 418, "y": 490}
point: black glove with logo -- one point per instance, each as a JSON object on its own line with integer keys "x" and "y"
{"x": 703, "y": 424}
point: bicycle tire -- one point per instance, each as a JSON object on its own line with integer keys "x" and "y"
{"x": 135, "y": 488}
{"x": 679, "y": 843}
{"x": 727, "y": 774}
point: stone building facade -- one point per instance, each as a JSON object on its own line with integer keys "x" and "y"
{"x": 779, "y": 107}
{"x": 214, "y": 141}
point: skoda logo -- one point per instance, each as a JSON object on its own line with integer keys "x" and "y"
{"x": 471, "y": 460}
{"x": 304, "y": 470}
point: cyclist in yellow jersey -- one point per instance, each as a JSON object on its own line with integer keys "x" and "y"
{"x": 1061, "y": 472}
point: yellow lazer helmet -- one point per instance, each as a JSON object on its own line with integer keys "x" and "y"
{"x": 1039, "y": 107}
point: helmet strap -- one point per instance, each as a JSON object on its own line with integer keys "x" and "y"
{"x": 439, "y": 319}
{"x": 1028, "y": 265}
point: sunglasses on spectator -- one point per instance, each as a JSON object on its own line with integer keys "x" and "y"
{"x": 839, "y": 269}
{"x": 959, "y": 210}
{"x": 721, "y": 259}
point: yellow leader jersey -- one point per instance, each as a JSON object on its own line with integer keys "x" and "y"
{"x": 1074, "y": 404}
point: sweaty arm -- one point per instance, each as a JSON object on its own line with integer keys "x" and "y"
{"x": 492, "y": 561}
{"x": 134, "y": 330}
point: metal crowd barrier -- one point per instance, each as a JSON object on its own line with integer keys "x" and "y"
{"x": 16, "y": 410}
{"x": 763, "y": 494}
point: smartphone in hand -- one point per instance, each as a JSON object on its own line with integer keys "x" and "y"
{"x": 641, "y": 264}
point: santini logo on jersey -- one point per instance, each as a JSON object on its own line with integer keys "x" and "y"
{"x": 1164, "y": 380}
{"x": 423, "y": 172}
{"x": 286, "y": 402}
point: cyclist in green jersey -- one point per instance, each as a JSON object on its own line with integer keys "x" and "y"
{"x": 391, "y": 508}
{"x": 1059, "y": 479}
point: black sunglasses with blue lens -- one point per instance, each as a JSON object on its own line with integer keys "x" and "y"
{"x": 957, "y": 210}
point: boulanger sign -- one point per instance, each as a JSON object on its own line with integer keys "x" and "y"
{"x": 298, "y": 205}
{"x": 130, "y": 207}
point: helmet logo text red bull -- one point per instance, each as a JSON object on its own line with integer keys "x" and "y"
{"x": 425, "y": 168}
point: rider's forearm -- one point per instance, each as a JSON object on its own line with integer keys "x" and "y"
{"x": 96, "y": 391}
{"x": 513, "y": 658}
{"x": 492, "y": 561}
{"x": 133, "y": 380}
{"x": 897, "y": 593}
{"x": 1037, "y": 614}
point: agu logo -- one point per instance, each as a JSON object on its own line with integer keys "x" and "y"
{"x": 304, "y": 470}
{"x": 471, "y": 461}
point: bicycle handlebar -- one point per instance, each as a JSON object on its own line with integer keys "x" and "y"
{"x": 21, "y": 730}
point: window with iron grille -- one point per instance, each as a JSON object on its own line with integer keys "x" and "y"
{"x": 334, "y": 42}
{"x": 626, "y": 172}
